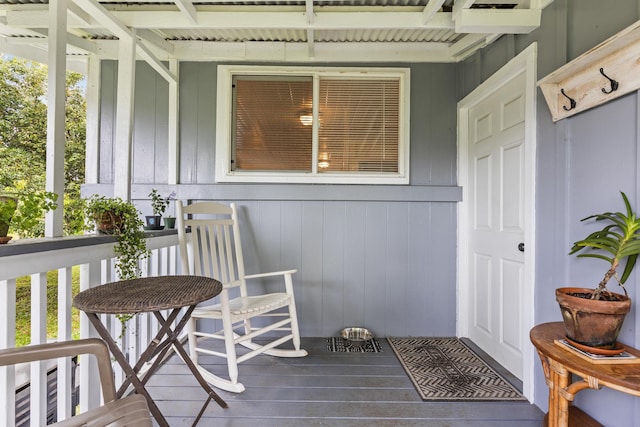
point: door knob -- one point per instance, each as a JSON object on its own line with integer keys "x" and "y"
{"x": 521, "y": 247}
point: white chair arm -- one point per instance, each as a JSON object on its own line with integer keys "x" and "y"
{"x": 273, "y": 273}
{"x": 229, "y": 285}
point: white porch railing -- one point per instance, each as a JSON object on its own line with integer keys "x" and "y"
{"x": 93, "y": 255}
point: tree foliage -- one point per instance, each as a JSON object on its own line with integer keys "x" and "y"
{"x": 23, "y": 133}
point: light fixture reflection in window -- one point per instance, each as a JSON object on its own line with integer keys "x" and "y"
{"x": 323, "y": 160}
{"x": 306, "y": 119}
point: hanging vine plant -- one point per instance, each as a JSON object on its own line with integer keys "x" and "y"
{"x": 120, "y": 218}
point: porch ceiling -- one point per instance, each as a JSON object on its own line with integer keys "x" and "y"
{"x": 273, "y": 30}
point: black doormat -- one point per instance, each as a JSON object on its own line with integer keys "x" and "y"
{"x": 446, "y": 369}
{"x": 338, "y": 344}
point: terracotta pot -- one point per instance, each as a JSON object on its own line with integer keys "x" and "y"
{"x": 594, "y": 323}
{"x": 108, "y": 223}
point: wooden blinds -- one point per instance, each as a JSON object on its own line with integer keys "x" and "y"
{"x": 269, "y": 135}
{"x": 358, "y": 124}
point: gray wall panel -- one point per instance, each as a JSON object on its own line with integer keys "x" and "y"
{"x": 593, "y": 21}
{"x": 441, "y": 277}
{"x": 398, "y": 287}
{"x": 419, "y": 242}
{"x": 108, "y": 88}
{"x": 438, "y": 162}
{"x": 144, "y": 130}
{"x": 310, "y": 307}
{"x": 335, "y": 295}
{"x": 161, "y": 130}
{"x": 188, "y": 122}
{"x": 375, "y": 308}
{"x": 206, "y": 113}
{"x": 354, "y": 273}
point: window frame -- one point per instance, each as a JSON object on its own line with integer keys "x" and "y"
{"x": 224, "y": 128}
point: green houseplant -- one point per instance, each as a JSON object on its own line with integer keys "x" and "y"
{"x": 23, "y": 212}
{"x": 121, "y": 219}
{"x": 159, "y": 205}
{"x": 594, "y": 317}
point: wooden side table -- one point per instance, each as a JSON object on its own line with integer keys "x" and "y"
{"x": 151, "y": 294}
{"x": 559, "y": 364}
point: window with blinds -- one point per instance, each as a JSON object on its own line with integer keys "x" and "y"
{"x": 359, "y": 121}
{"x": 317, "y": 125}
{"x": 268, "y": 133}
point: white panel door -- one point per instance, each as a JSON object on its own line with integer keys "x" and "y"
{"x": 495, "y": 192}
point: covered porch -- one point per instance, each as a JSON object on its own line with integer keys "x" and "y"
{"x": 167, "y": 53}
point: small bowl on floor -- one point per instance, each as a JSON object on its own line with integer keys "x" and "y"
{"x": 356, "y": 336}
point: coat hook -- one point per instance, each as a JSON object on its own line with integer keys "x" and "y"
{"x": 571, "y": 100}
{"x": 614, "y": 84}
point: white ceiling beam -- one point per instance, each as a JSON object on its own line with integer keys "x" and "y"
{"x": 124, "y": 33}
{"x": 77, "y": 64}
{"x": 539, "y": 4}
{"x": 151, "y": 19}
{"x": 310, "y": 20}
{"x": 467, "y": 45}
{"x": 154, "y": 39}
{"x": 76, "y": 13}
{"x": 513, "y": 21}
{"x": 103, "y": 17}
{"x": 145, "y": 53}
{"x": 430, "y": 10}
{"x": 187, "y": 8}
{"x": 88, "y": 46}
{"x": 461, "y": 5}
{"x": 323, "y": 52}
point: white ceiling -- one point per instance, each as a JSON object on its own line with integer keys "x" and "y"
{"x": 301, "y": 31}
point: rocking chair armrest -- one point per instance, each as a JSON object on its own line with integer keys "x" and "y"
{"x": 273, "y": 273}
{"x": 229, "y": 285}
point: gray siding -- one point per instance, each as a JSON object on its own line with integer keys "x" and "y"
{"x": 582, "y": 163}
{"x": 378, "y": 256}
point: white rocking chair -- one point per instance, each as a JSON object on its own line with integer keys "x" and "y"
{"x": 213, "y": 249}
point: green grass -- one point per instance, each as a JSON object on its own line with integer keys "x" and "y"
{"x": 23, "y": 307}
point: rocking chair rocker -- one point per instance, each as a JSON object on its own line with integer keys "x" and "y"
{"x": 213, "y": 249}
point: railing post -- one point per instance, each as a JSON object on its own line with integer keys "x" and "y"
{"x": 38, "y": 379}
{"x": 89, "y": 396}
{"x": 8, "y": 340}
{"x": 65, "y": 386}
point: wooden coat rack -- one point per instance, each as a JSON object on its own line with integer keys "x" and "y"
{"x": 608, "y": 71}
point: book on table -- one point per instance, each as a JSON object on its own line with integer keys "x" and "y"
{"x": 621, "y": 357}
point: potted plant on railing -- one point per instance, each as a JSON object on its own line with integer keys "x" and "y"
{"x": 159, "y": 205}
{"x": 121, "y": 219}
{"x": 23, "y": 212}
{"x": 594, "y": 317}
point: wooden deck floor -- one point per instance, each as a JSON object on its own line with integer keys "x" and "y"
{"x": 325, "y": 389}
